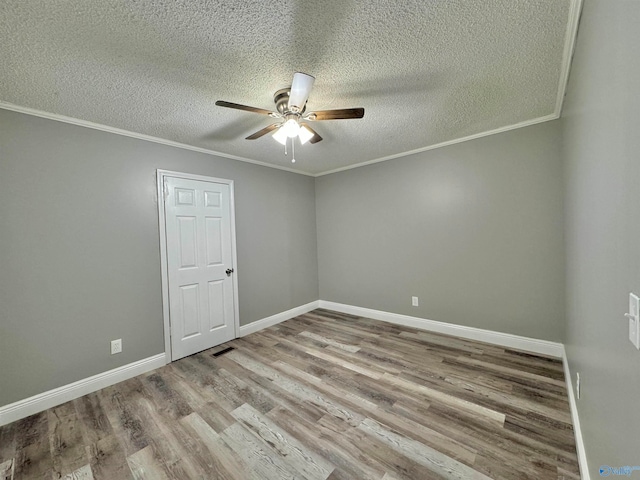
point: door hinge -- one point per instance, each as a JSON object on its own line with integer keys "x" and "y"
{"x": 165, "y": 189}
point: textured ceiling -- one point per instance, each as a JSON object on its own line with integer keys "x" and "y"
{"x": 425, "y": 71}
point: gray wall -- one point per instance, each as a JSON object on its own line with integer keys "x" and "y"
{"x": 601, "y": 132}
{"x": 475, "y": 230}
{"x": 79, "y": 248}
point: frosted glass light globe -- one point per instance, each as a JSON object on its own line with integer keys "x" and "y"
{"x": 291, "y": 128}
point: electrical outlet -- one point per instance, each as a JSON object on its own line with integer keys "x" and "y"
{"x": 414, "y": 301}
{"x": 578, "y": 385}
{"x": 116, "y": 346}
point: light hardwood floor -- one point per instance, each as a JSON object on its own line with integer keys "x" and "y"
{"x": 324, "y": 395}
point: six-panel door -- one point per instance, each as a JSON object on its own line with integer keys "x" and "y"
{"x": 199, "y": 251}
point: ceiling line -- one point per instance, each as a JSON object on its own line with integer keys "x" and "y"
{"x": 162, "y": 141}
{"x": 573, "y": 18}
{"x": 139, "y": 136}
{"x": 575, "y": 10}
{"x": 526, "y": 123}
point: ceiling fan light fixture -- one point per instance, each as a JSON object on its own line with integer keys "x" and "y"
{"x": 291, "y": 127}
{"x": 280, "y": 136}
{"x": 304, "y": 135}
{"x": 290, "y": 105}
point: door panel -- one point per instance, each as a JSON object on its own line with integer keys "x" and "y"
{"x": 188, "y": 320}
{"x": 214, "y": 240}
{"x": 187, "y": 241}
{"x": 199, "y": 251}
{"x": 216, "y": 305}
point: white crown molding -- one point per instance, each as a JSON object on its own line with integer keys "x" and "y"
{"x": 575, "y": 419}
{"x": 526, "y": 123}
{"x": 573, "y": 18}
{"x": 57, "y": 396}
{"x": 162, "y": 141}
{"x": 575, "y": 9}
{"x": 139, "y": 136}
{"x": 277, "y": 318}
{"x": 534, "y": 345}
{"x": 571, "y": 35}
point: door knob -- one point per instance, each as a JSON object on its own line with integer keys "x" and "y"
{"x": 229, "y": 271}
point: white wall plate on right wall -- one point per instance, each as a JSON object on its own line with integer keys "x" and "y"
{"x": 634, "y": 320}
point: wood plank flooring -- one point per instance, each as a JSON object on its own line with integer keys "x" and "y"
{"x": 321, "y": 396}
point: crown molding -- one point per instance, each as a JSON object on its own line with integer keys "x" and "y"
{"x": 575, "y": 9}
{"x": 571, "y": 35}
{"x": 526, "y": 123}
{"x": 139, "y": 136}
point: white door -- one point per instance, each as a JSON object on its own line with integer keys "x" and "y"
{"x": 199, "y": 264}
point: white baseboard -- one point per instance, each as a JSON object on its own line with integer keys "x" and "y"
{"x": 277, "y": 318}
{"x": 582, "y": 453}
{"x": 37, "y": 403}
{"x": 533, "y": 345}
{"x": 57, "y": 396}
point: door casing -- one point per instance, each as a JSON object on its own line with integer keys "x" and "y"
{"x": 160, "y": 177}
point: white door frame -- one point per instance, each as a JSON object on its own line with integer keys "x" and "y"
{"x": 161, "y": 175}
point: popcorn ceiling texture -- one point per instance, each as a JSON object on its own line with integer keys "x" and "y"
{"x": 425, "y": 71}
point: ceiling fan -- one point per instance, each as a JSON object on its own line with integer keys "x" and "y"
{"x": 290, "y": 112}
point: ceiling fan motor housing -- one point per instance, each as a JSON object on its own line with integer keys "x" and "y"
{"x": 281, "y": 99}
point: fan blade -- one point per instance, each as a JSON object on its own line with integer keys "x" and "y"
{"x": 316, "y": 138}
{"x": 300, "y": 90}
{"x": 264, "y": 131}
{"x": 237, "y": 106}
{"x": 341, "y": 114}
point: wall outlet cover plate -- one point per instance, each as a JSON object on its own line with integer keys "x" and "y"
{"x": 634, "y": 320}
{"x": 633, "y": 333}
{"x": 116, "y": 346}
{"x": 634, "y": 304}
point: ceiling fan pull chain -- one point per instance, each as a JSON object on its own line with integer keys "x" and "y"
{"x": 285, "y": 148}
{"x": 293, "y": 150}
